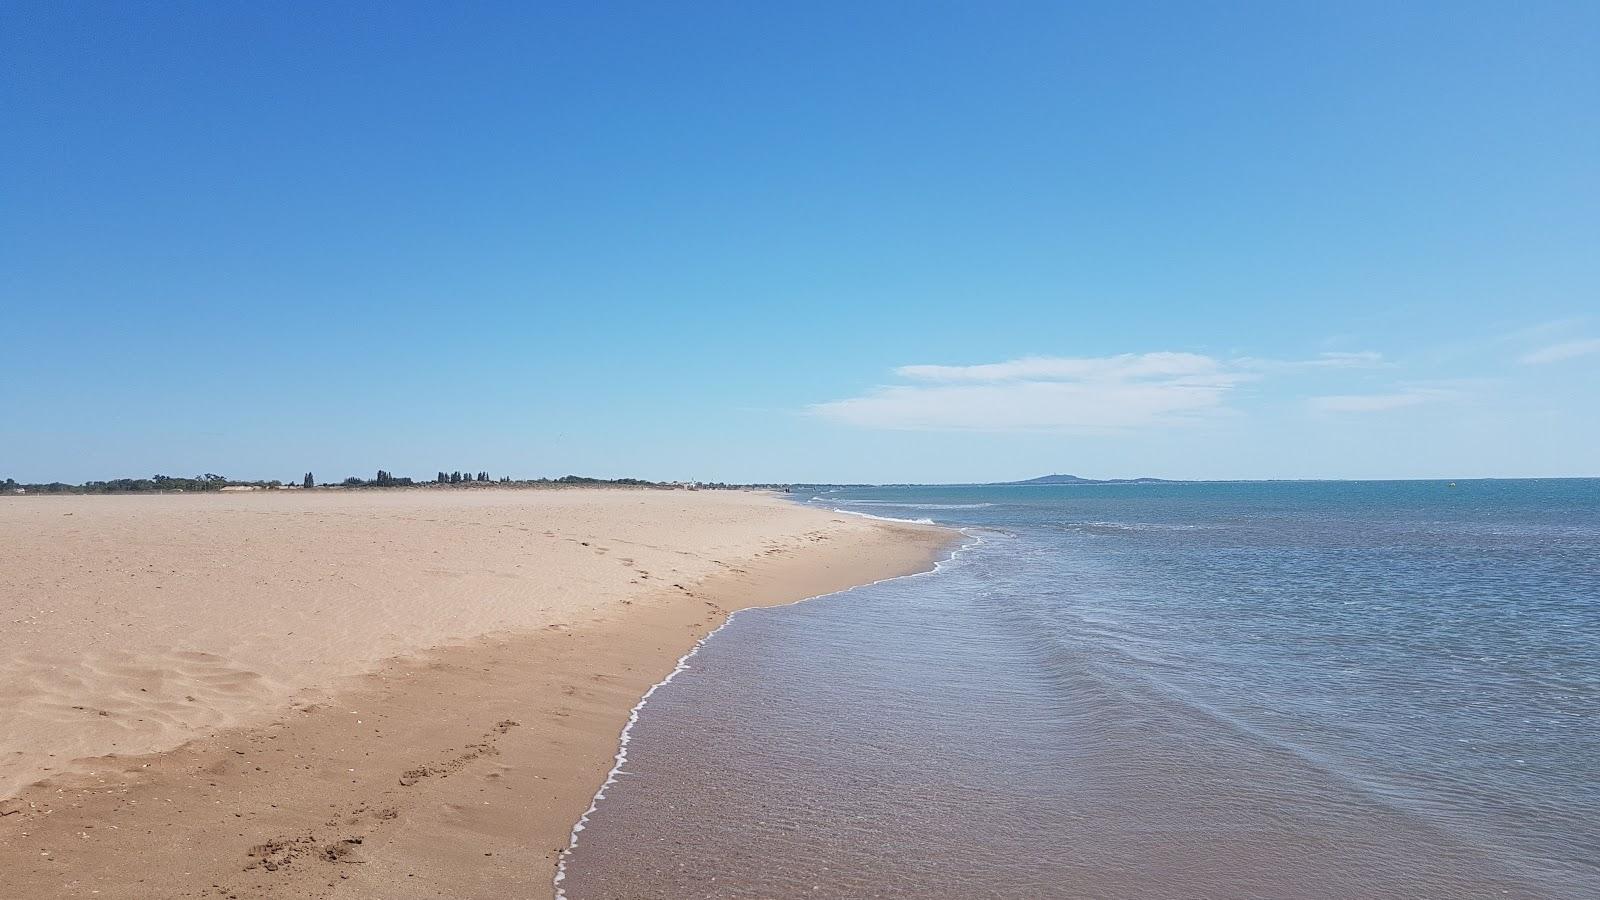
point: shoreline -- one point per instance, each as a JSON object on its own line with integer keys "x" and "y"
{"x": 952, "y": 546}
{"x": 455, "y": 771}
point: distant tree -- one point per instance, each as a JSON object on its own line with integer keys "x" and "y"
{"x": 444, "y": 478}
{"x": 308, "y": 481}
{"x": 455, "y": 477}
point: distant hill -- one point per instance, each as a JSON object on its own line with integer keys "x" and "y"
{"x": 1073, "y": 479}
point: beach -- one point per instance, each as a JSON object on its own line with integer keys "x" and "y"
{"x": 403, "y": 693}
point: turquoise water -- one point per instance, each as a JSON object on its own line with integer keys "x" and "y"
{"x": 1350, "y": 689}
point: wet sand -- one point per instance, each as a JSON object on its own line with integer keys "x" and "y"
{"x": 398, "y": 694}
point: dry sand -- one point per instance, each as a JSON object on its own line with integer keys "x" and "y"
{"x": 358, "y": 694}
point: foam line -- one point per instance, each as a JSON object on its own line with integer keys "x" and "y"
{"x": 851, "y": 512}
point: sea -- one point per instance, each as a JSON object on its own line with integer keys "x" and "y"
{"x": 1385, "y": 689}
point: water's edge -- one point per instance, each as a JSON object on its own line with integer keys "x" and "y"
{"x": 621, "y": 758}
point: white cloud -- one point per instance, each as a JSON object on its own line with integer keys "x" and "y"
{"x": 1090, "y": 394}
{"x": 1365, "y": 359}
{"x": 1563, "y": 351}
{"x": 1360, "y": 403}
{"x": 1051, "y": 368}
{"x": 1548, "y": 330}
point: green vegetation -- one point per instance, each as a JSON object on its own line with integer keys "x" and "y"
{"x": 384, "y": 479}
{"x": 153, "y": 484}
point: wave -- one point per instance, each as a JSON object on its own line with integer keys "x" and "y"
{"x": 1129, "y": 526}
{"x": 1107, "y": 674}
{"x": 920, "y": 505}
{"x": 851, "y": 512}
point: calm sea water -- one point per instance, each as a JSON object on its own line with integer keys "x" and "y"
{"x": 1276, "y": 690}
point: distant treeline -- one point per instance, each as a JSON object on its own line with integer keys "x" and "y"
{"x": 384, "y": 479}
{"x": 153, "y": 484}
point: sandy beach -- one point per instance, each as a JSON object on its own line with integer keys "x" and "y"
{"x": 358, "y": 693}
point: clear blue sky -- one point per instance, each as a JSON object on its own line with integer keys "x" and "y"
{"x": 813, "y": 241}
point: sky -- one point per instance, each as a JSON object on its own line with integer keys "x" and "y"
{"x": 830, "y": 242}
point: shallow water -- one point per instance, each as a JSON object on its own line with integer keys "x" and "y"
{"x": 1382, "y": 689}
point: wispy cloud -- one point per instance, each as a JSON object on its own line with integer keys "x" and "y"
{"x": 1126, "y": 365}
{"x": 1090, "y": 394}
{"x": 1365, "y": 359}
{"x": 1546, "y": 331}
{"x": 1380, "y": 402}
{"x": 1562, "y": 351}
{"x": 1133, "y": 365}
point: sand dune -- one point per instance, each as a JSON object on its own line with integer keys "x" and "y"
{"x": 147, "y": 640}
